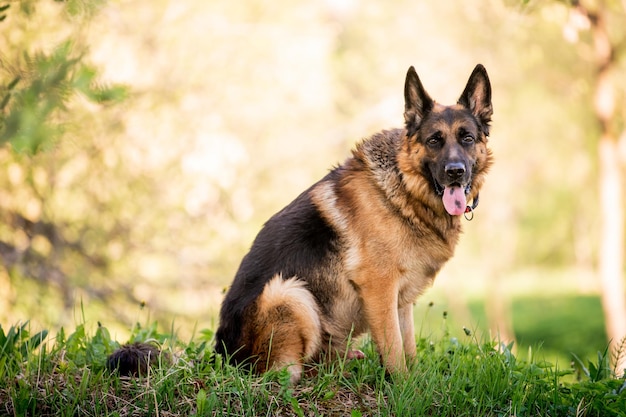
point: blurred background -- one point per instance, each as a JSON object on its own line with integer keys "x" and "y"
{"x": 145, "y": 142}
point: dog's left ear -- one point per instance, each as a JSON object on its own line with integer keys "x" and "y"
{"x": 477, "y": 97}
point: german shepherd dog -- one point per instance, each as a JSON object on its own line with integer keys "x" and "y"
{"x": 354, "y": 251}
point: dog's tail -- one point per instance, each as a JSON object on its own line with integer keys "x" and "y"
{"x": 288, "y": 326}
{"x": 134, "y": 359}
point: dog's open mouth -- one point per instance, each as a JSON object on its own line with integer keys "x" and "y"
{"x": 453, "y": 197}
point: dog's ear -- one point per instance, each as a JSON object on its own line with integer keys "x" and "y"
{"x": 417, "y": 102}
{"x": 477, "y": 97}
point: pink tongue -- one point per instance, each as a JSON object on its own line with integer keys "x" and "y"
{"x": 454, "y": 200}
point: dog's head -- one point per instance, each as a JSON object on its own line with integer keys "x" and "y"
{"x": 449, "y": 143}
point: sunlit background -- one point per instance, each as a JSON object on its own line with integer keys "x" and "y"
{"x": 139, "y": 209}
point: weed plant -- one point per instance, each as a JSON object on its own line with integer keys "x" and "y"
{"x": 66, "y": 376}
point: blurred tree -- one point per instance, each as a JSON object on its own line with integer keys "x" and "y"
{"x": 605, "y": 22}
{"x": 41, "y": 89}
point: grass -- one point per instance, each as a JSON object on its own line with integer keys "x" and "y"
{"x": 564, "y": 325}
{"x": 66, "y": 376}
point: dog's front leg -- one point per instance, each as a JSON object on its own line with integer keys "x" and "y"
{"x": 407, "y": 328}
{"x": 381, "y": 313}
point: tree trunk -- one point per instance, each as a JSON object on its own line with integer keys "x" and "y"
{"x": 611, "y": 258}
{"x": 612, "y": 246}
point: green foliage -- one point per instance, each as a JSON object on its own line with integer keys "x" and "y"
{"x": 17, "y": 344}
{"x": 41, "y": 83}
{"x": 598, "y": 391}
{"x": 17, "y": 341}
{"x": 562, "y": 323}
{"x": 3, "y": 9}
{"x": 452, "y": 377}
{"x": 595, "y": 372}
{"x": 82, "y": 8}
{"x": 82, "y": 349}
{"x": 43, "y": 88}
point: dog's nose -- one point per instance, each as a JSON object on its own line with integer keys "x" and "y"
{"x": 455, "y": 170}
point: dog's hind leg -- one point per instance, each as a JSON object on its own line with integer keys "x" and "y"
{"x": 287, "y": 326}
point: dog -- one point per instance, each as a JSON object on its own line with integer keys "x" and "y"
{"x": 353, "y": 252}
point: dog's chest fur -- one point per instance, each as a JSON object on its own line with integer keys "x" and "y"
{"x": 391, "y": 245}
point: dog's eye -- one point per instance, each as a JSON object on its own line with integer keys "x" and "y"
{"x": 468, "y": 139}
{"x": 434, "y": 140}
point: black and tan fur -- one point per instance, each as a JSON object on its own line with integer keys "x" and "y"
{"x": 135, "y": 359}
{"x": 353, "y": 252}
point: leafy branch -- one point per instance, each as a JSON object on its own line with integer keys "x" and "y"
{"x": 40, "y": 90}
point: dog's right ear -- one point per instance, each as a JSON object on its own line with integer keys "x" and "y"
{"x": 417, "y": 102}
